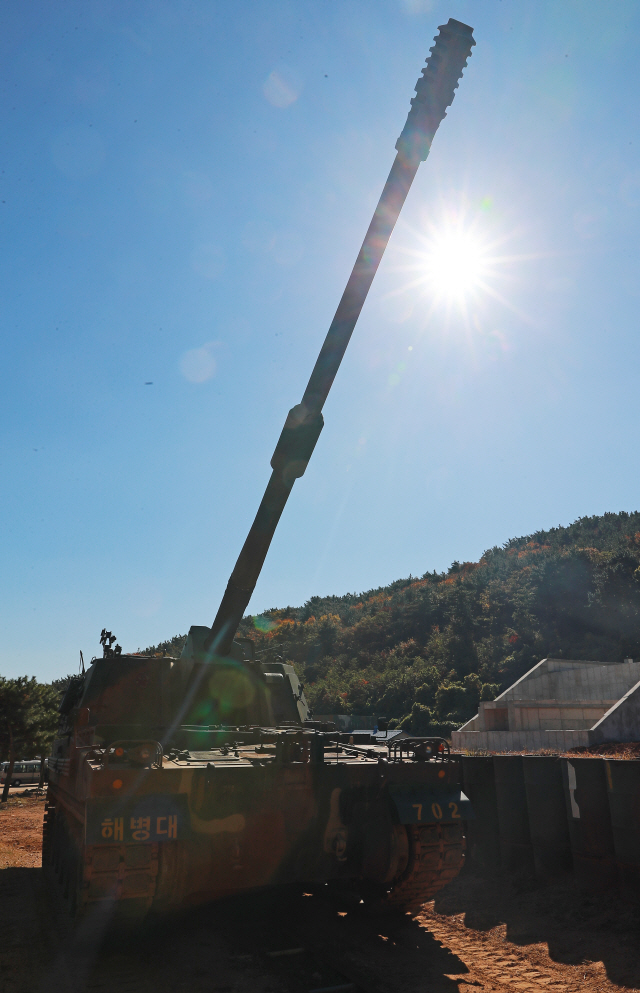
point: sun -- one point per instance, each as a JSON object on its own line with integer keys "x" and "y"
{"x": 455, "y": 263}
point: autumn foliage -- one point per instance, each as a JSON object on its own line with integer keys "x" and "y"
{"x": 425, "y": 651}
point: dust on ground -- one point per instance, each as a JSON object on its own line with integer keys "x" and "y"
{"x": 480, "y": 935}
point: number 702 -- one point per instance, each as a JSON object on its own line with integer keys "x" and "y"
{"x": 436, "y": 811}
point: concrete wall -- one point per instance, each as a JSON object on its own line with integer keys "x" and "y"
{"x": 559, "y": 679}
{"x": 539, "y": 715}
{"x": 517, "y": 741}
{"x": 559, "y": 704}
{"x": 621, "y": 722}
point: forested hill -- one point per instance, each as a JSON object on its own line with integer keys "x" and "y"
{"x": 424, "y": 651}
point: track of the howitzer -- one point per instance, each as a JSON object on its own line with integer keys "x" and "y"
{"x": 480, "y": 934}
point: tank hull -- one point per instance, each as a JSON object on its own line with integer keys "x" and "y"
{"x": 204, "y": 829}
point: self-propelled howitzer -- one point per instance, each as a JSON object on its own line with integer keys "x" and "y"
{"x": 179, "y": 780}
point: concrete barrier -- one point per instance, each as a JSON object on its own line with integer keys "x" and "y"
{"x": 516, "y": 850}
{"x": 623, "y": 789}
{"x": 547, "y": 816}
{"x": 550, "y": 816}
{"x": 589, "y": 822}
{"x": 483, "y": 833}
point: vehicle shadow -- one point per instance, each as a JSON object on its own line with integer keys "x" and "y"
{"x": 577, "y": 928}
{"x": 217, "y": 947}
{"x": 21, "y": 952}
{"x": 321, "y": 941}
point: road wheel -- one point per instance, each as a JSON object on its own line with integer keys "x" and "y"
{"x": 436, "y": 857}
{"x": 17, "y": 782}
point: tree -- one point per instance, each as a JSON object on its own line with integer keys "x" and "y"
{"x": 28, "y": 720}
{"x": 60, "y": 685}
{"x": 45, "y": 726}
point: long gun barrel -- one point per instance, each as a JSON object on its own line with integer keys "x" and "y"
{"x": 435, "y": 91}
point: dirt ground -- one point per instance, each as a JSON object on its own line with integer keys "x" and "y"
{"x": 478, "y": 935}
{"x": 549, "y": 937}
{"x": 21, "y": 830}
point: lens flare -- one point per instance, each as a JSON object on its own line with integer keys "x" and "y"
{"x": 263, "y": 624}
{"x": 231, "y": 689}
{"x": 282, "y": 87}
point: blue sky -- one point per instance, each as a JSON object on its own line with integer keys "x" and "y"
{"x": 184, "y": 190}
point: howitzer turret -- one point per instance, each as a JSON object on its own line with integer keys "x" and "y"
{"x": 178, "y": 780}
